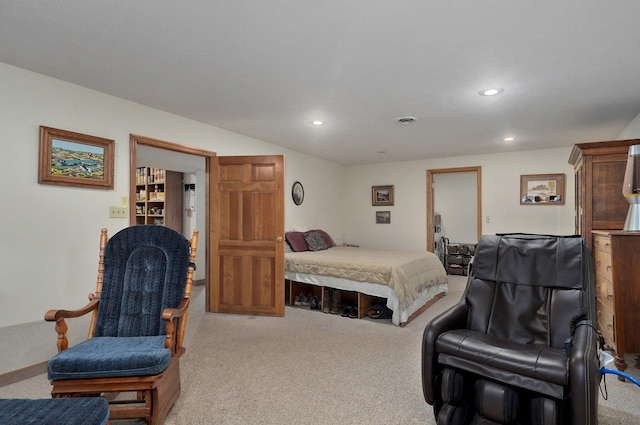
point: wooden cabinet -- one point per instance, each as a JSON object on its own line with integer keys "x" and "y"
{"x": 617, "y": 280}
{"x": 601, "y": 210}
{"x": 159, "y": 197}
{"x": 599, "y": 175}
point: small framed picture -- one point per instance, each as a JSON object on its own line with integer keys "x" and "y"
{"x": 542, "y": 189}
{"x": 297, "y": 193}
{"x": 383, "y": 217}
{"x": 381, "y": 195}
{"x": 73, "y": 159}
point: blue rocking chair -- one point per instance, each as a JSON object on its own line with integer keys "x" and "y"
{"x": 136, "y": 336}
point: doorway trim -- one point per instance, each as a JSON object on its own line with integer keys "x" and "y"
{"x": 210, "y": 160}
{"x": 430, "y": 208}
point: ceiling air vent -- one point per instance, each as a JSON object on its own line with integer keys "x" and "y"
{"x": 406, "y": 120}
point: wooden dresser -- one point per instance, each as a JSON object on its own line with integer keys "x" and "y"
{"x": 617, "y": 278}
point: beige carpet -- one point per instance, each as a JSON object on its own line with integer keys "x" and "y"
{"x": 313, "y": 368}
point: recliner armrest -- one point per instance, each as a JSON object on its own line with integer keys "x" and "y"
{"x": 453, "y": 318}
{"x": 584, "y": 372}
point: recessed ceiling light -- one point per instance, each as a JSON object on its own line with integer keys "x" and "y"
{"x": 509, "y": 139}
{"x": 317, "y": 122}
{"x": 490, "y": 92}
{"x": 407, "y": 119}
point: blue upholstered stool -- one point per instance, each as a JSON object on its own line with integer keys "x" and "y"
{"x": 54, "y": 411}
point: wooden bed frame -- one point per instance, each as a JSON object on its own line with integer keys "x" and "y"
{"x": 363, "y": 301}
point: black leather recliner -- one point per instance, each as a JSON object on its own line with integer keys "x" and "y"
{"x": 520, "y": 347}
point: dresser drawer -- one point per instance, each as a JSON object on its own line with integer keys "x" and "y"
{"x": 602, "y": 264}
{"x": 604, "y": 291}
{"x": 601, "y": 242}
{"x": 606, "y": 323}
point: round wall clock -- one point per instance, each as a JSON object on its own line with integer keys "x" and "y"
{"x": 297, "y": 193}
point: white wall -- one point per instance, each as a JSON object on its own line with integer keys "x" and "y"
{"x": 323, "y": 184}
{"x": 500, "y": 197}
{"x": 632, "y": 131}
{"x": 455, "y": 199}
{"x": 49, "y": 236}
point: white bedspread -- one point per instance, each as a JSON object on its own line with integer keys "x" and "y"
{"x": 408, "y": 273}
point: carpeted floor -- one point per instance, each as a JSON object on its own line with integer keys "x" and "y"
{"x": 313, "y": 368}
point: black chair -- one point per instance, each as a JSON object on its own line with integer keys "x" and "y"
{"x": 520, "y": 347}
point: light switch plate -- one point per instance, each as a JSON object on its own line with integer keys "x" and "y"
{"x": 117, "y": 212}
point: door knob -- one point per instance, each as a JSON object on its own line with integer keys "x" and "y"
{"x": 278, "y": 239}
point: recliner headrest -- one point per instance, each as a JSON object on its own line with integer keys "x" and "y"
{"x": 531, "y": 260}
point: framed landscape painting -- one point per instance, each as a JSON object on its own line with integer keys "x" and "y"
{"x": 73, "y": 159}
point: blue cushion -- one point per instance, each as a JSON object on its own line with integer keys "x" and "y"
{"x": 105, "y": 357}
{"x": 145, "y": 270}
{"x": 54, "y": 411}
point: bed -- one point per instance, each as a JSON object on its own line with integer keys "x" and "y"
{"x": 409, "y": 280}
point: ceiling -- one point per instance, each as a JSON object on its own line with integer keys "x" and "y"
{"x": 569, "y": 69}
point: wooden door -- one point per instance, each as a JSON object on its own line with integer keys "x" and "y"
{"x": 248, "y": 270}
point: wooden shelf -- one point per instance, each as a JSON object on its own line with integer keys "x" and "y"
{"x": 159, "y": 197}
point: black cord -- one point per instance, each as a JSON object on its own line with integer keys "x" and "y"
{"x": 601, "y": 342}
{"x": 605, "y": 394}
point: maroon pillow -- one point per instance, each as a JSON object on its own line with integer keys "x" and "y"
{"x": 296, "y": 241}
{"x": 327, "y": 239}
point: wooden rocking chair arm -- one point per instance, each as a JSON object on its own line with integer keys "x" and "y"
{"x": 55, "y": 315}
{"x": 173, "y": 313}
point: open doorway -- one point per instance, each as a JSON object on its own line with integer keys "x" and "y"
{"x": 194, "y": 167}
{"x": 468, "y": 211}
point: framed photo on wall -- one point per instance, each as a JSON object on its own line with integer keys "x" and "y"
{"x": 297, "y": 193}
{"x": 73, "y": 159}
{"x": 383, "y": 217}
{"x": 381, "y": 195}
{"x": 542, "y": 189}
